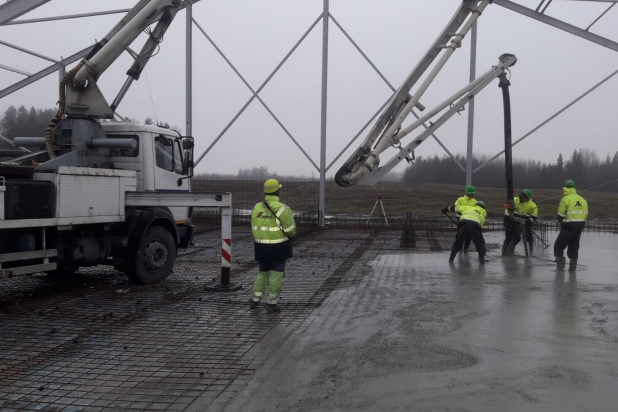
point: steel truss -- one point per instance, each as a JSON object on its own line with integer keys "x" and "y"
{"x": 10, "y": 12}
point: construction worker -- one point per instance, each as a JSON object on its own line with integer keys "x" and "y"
{"x": 466, "y": 200}
{"x": 572, "y": 215}
{"x": 525, "y": 211}
{"x": 528, "y": 211}
{"x": 470, "y": 225}
{"x": 273, "y": 229}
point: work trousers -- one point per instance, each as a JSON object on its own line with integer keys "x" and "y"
{"x": 513, "y": 232}
{"x": 568, "y": 238}
{"x": 472, "y": 230}
{"x": 270, "y": 273}
{"x": 529, "y": 236}
{"x": 467, "y": 240}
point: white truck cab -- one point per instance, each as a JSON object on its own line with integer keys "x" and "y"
{"x": 158, "y": 159}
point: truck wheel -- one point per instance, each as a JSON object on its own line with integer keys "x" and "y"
{"x": 156, "y": 256}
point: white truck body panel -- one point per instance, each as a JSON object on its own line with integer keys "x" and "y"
{"x": 83, "y": 196}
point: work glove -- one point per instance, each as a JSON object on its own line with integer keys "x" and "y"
{"x": 507, "y": 205}
{"x": 518, "y": 220}
{"x": 444, "y": 210}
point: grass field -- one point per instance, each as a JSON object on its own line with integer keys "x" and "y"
{"x": 428, "y": 199}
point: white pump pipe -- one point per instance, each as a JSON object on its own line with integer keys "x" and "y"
{"x": 387, "y": 140}
{"x": 119, "y": 42}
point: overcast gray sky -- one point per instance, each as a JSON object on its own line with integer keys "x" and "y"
{"x": 554, "y": 67}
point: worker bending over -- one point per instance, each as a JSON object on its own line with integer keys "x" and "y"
{"x": 572, "y": 214}
{"x": 273, "y": 229}
{"x": 466, "y": 200}
{"x": 525, "y": 211}
{"x": 470, "y": 225}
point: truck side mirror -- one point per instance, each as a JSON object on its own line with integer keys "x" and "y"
{"x": 187, "y": 143}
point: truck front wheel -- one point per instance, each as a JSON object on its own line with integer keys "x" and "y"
{"x": 156, "y": 256}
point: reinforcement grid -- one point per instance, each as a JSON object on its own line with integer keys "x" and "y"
{"x": 95, "y": 341}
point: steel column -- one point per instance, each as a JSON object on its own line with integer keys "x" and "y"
{"x": 189, "y": 73}
{"x": 470, "y": 154}
{"x": 322, "y": 191}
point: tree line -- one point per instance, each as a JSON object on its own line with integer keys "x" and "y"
{"x": 22, "y": 122}
{"x": 584, "y": 166}
{"x": 25, "y": 123}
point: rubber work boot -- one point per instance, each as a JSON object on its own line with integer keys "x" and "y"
{"x": 253, "y": 304}
{"x": 483, "y": 259}
{"x": 273, "y": 307}
{"x": 504, "y": 246}
{"x": 572, "y": 265}
{"x": 560, "y": 263}
{"x": 465, "y": 250}
{"x": 510, "y": 249}
{"x": 530, "y": 248}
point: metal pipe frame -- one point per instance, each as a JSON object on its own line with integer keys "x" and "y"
{"x": 189, "y": 71}
{"x": 569, "y": 28}
{"x": 11, "y": 10}
{"x": 14, "y": 9}
{"x": 45, "y": 72}
{"x": 470, "y": 147}
{"x": 322, "y": 188}
{"x": 12, "y": 69}
{"x": 549, "y": 119}
{"x": 66, "y": 17}
{"x": 259, "y": 89}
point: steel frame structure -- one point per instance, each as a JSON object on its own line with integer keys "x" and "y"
{"x": 11, "y": 10}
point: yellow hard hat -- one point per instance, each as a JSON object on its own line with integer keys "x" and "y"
{"x": 271, "y": 186}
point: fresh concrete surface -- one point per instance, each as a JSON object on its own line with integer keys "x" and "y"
{"x": 418, "y": 334}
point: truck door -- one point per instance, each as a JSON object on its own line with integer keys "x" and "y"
{"x": 168, "y": 169}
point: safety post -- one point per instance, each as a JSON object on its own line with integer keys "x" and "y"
{"x": 225, "y": 284}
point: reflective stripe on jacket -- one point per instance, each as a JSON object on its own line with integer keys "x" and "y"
{"x": 465, "y": 201}
{"x": 573, "y": 207}
{"x": 474, "y": 213}
{"x": 272, "y": 229}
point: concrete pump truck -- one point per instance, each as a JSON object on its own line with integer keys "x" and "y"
{"x": 95, "y": 191}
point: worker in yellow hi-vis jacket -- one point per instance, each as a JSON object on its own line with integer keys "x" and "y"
{"x": 273, "y": 229}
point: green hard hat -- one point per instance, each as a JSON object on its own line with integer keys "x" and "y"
{"x": 481, "y": 204}
{"x": 528, "y": 193}
{"x": 470, "y": 190}
{"x": 568, "y": 183}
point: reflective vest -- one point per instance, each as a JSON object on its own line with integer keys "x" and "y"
{"x": 525, "y": 210}
{"x": 573, "y": 207}
{"x": 269, "y": 228}
{"x": 465, "y": 201}
{"x": 474, "y": 213}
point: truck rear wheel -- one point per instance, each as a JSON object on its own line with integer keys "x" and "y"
{"x": 155, "y": 257}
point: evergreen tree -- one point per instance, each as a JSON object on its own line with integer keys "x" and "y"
{"x": 8, "y": 124}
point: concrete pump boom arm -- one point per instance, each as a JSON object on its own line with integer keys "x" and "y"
{"x": 387, "y": 130}
{"x": 144, "y": 14}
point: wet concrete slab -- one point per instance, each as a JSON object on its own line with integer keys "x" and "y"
{"x": 366, "y": 325}
{"x": 418, "y": 334}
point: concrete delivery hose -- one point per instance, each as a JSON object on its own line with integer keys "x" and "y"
{"x": 61, "y": 106}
